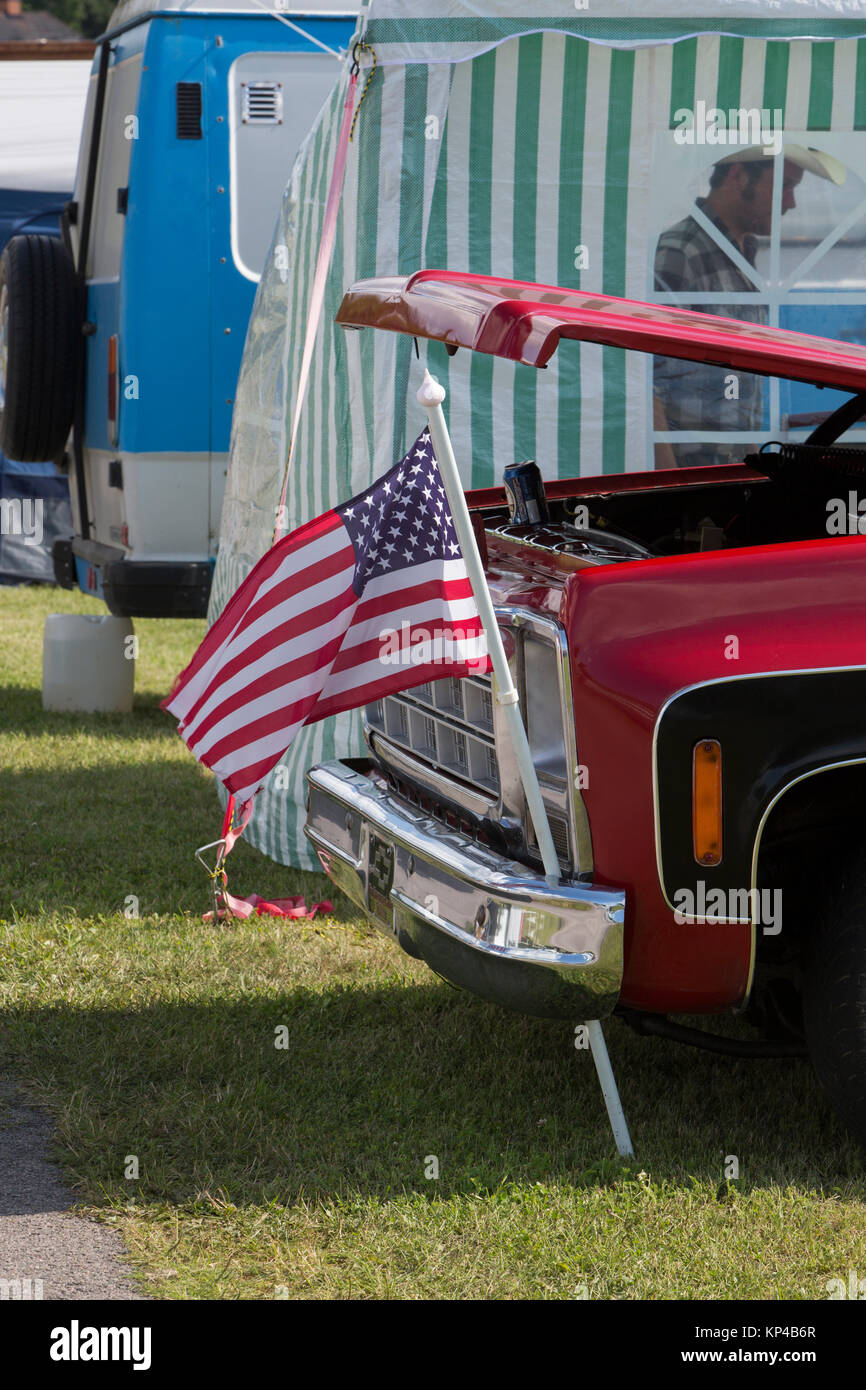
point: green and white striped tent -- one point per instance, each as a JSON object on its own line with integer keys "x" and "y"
{"x": 531, "y": 139}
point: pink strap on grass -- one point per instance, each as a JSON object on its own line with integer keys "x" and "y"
{"x": 254, "y": 906}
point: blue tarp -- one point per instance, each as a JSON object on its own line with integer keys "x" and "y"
{"x": 34, "y": 510}
{"x": 29, "y": 210}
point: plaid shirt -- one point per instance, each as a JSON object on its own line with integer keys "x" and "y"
{"x": 692, "y": 394}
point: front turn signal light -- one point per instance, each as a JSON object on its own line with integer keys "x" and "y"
{"x": 707, "y": 801}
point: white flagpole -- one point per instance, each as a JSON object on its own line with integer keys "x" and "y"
{"x": 430, "y": 396}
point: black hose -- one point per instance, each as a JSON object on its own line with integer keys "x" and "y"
{"x": 656, "y": 1025}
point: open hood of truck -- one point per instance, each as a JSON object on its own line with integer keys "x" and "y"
{"x": 524, "y": 323}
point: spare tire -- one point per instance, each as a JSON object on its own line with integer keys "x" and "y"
{"x": 40, "y": 341}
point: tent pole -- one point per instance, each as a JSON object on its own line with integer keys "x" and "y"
{"x": 430, "y": 396}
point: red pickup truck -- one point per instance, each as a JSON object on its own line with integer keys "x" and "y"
{"x": 690, "y": 650}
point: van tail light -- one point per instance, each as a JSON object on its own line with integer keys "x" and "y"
{"x": 112, "y": 390}
{"x": 707, "y": 801}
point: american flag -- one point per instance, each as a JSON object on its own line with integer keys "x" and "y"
{"x": 368, "y": 599}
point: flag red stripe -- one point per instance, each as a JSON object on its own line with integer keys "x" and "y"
{"x": 235, "y": 609}
{"x": 272, "y": 723}
{"x": 283, "y": 675}
{"x": 303, "y": 622}
{"x": 249, "y": 777}
{"x": 435, "y": 627}
{"x": 413, "y": 594}
{"x": 300, "y": 580}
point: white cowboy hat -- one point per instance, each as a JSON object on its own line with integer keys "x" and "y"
{"x": 826, "y": 166}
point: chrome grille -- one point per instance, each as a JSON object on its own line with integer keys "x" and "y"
{"x": 444, "y": 746}
{"x": 448, "y": 724}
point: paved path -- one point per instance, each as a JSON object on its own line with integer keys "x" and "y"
{"x": 39, "y": 1237}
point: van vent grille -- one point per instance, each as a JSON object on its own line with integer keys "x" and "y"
{"x": 188, "y": 96}
{"x": 262, "y": 103}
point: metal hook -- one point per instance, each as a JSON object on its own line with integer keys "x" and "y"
{"x": 212, "y": 872}
{"x": 217, "y": 875}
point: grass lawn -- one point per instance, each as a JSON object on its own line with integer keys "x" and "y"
{"x": 301, "y": 1171}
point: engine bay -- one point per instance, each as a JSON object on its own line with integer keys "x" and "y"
{"x": 788, "y": 492}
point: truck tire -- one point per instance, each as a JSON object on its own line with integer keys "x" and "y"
{"x": 40, "y": 339}
{"x": 834, "y": 1000}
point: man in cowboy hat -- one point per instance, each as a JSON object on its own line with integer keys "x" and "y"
{"x": 696, "y": 254}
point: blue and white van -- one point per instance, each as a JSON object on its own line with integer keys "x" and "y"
{"x": 120, "y": 347}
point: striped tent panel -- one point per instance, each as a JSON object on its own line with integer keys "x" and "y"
{"x": 533, "y": 160}
{"x": 430, "y": 31}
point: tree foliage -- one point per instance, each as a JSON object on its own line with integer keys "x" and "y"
{"x": 89, "y": 17}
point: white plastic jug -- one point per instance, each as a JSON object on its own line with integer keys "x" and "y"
{"x": 87, "y": 663}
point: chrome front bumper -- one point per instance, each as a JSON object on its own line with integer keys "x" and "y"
{"x": 486, "y": 923}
